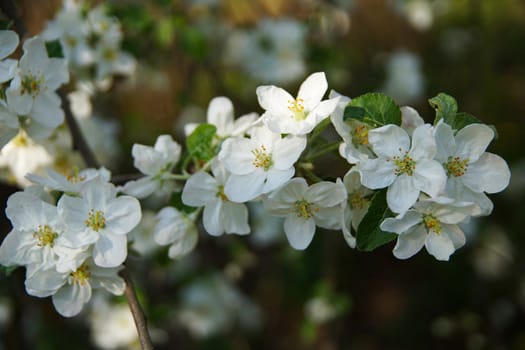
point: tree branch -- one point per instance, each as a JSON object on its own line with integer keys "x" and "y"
{"x": 136, "y": 311}
{"x": 79, "y": 142}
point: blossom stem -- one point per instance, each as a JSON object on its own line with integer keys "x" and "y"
{"x": 136, "y": 311}
{"x": 328, "y": 148}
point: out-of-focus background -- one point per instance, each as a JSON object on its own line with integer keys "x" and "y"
{"x": 255, "y": 292}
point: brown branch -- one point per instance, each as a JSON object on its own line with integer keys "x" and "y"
{"x": 79, "y": 142}
{"x": 136, "y": 311}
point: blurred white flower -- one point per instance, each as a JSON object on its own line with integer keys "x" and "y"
{"x": 405, "y": 80}
{"x": 273, "y": 52}
{"x": 177, "y": 230}
{"x": 319, "y": 310}
{"x": 212, "y": 305}
{"x": 112, "y": 325}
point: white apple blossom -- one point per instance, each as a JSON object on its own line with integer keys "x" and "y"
{"x": 305, "y": 207}
{"x": 211, "y": 305}
{"x": 71, "y": 290}
{"x": 36, "y": 232}
{"x": 259, "y": 164}
{"x": 356, "y": 206}
{"x": 32, "y": 90}
{"x": 471, "y": 171}
{"x": 405, "y": 166}
{"x": 8, "y": 43}
{"x": 99, "y": 218}
{"x": 220, "y": 114}
{"x": 271, "y": 52}
{"x": 112, "y": 325}
{"x": 156, "y": 163}
{"x": 22, "y": 155}
{"x": 177, "y": 230}
{"x": 220, "y": 214}
{"x": 355, "y": 145}
{"x": 72, "y": 30}
{"x": 71, "y": 183}
{"x": 297, "y": 116}
{"x": 431, "y": 223}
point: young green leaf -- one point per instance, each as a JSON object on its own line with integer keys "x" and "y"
{"x": 369, "y": 236}
{"x": 375, "y": 109}
{"x": 445, "y": 105}
{"x": 199, "y": 143}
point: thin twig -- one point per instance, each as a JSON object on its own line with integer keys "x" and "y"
{"x": 79, "y": 142}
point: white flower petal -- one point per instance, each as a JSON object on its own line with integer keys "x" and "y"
{"x": 429, "y": 177}
{"x": 287, "y": 151}
{"x": 445, "y": 142}
{"x": 423, "y": 143}
{"x": 220, "y": 114}
{"x": 439, "y": 245}
{"x": 409, "y": 244}
{"x": 276, "y": 178}
{"x": 376, "y": 173}
{"x": 389, "y": 140}
{"x": 312, "y": 90}
{"x": 234, "y": 218}
{"x": 8, "y": 43}
{"x": 123, "y": 214}
{"x": 326, "y": 194}
{"x": 141, "y": 188}
{"x": 236, "y": 155}
{"x": 402, "y": 223}
{"x": 110, "y": 250}
{"x": 211, "y": 218}
{"x": 201, "y": 188}
{"x": 454, "y": 233}
{"x": 489, "y": 174}
{"x": 70, "y": 299}
{"x": 275, "y": 100}
{"x": 473, "y": 140}
{"x": 299, "y": 231}
{"x": 402, "y": 194}
{"x": 243, "y": 188}
{"x": 47, "y": 111}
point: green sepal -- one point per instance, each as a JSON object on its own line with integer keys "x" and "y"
{"x": 375, "y": 109}
{"x": 369, "y": 236}
{"x": 199, "y": 143}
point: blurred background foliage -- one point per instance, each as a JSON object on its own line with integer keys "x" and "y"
{"x": 329, "y": 296}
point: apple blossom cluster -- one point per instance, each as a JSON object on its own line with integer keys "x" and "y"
{"x": 405, "y": 179}
{"x": 70, "y": 245}
{"x": 90, "y": 41}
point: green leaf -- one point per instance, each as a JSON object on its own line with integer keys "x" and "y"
{"x": 460, "y": 120}
{"x": 199, "y": 143}
{"x": 54, "y": 49}
{"x": 445, "y": 105}
{"x": 369, "y": 236}
{"x": 375, "y": 109}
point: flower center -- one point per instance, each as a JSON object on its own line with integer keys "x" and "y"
{"x": 262, "y": 159}
{"x": 45, "y": 236}
{"x": 405, "y": 165}
{"x": 81, "y": 275}
{"x": 71, "y": 41}
{"x": 21, "y": 140}
{"x": 431, "y": 223}
{"x": 220, "y": 193}
{"x": 357, "y": 200}
{"x": 303, "y": 209}
{"x": 96, "y": 220}
{"x": 297, "y": 108}
{"x": 31, "y": 84}
{"x": 74, "y": 176}
{"x": 456, "y": 166}
{"x": 360, "y": 135}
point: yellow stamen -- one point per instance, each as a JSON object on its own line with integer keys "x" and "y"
{"x": 262, "y": 159}
{"x": 81, "y": 275}
{"x": 297, "y": 108}
{"x": 96, "y": 220}
{"x": 431, "y": 223}
{"x": 456, "y": 166}
{"x": 45, "y": 236}
{"x": 405, "y": 165}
